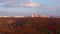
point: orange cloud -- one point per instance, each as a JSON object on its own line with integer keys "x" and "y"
{"x": 30, "y": 5}
{"x": 13, "y": 3}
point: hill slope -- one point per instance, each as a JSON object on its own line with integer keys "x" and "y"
{"x": 36, "y": 25}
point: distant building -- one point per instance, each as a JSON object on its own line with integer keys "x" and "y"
{"x": 45, "y": 16}
{"x": 55, "y": 16}
{"x": 36, "y": 15}
{"x": 6, "y": 16}
{"x": 0, "y": 16}
{"x": 19, "y": 16}
{"x": 13, "y": 16}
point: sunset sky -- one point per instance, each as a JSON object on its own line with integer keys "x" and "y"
{"x": 28, "y": 7}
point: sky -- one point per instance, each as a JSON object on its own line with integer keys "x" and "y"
{"x": 28, "y": 7}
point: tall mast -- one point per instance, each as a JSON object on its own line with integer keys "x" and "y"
{"x": 30, "y": 2}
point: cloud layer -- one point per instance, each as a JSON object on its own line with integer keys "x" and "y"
{"x": 18, "y": 3}
{"x": 48, "y": 7}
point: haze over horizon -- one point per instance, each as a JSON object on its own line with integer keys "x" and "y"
{"x": 28, "y": 7}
